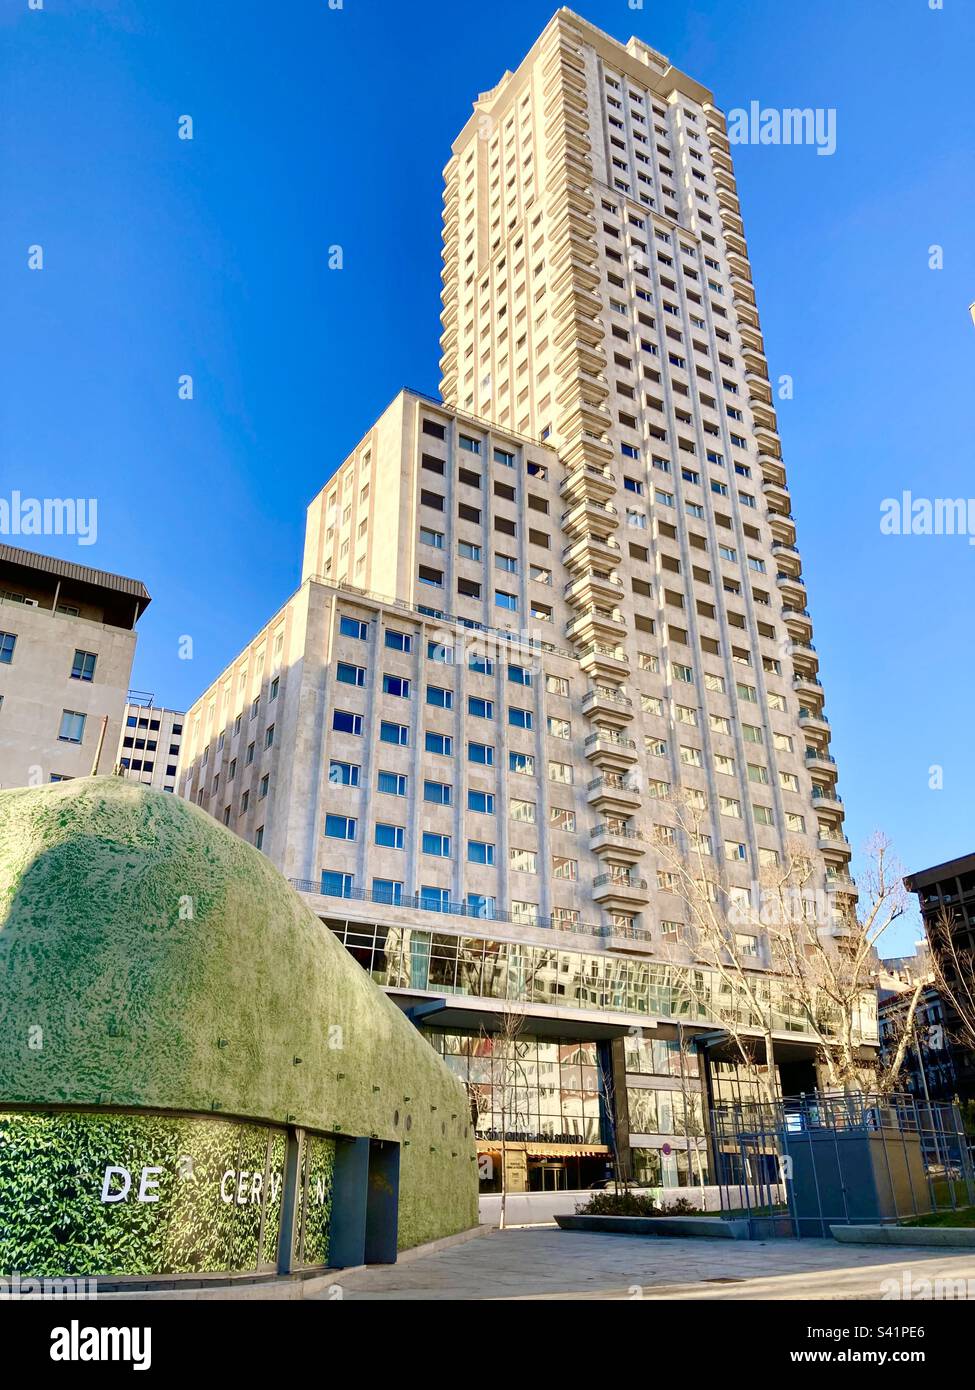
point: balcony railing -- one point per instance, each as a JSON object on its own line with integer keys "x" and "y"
{"x": 417, "y": 902}
{"x": 622, "y": 832}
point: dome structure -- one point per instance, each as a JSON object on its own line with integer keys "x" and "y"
{"x": 151, "y": 962}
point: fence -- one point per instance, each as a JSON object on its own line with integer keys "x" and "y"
{"x": 802, "y": 1164}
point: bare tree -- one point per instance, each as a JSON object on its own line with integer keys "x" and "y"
{"x": 903, "y": 1019}
{"x": 713, "y": 942}
{"x": 813, "y": 942}
{"x": 829, "y": 954}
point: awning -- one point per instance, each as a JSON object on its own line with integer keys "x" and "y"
{"x": 540, "y": 1150}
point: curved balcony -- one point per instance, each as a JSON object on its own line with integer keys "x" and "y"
{"x": 608, "y": 704}
{"x": 596, "y": 625}
{"x": 815, "y": 722}
{"x": 610, "y": 751}
{"x": 614, "y": 794}
{"x": 593, "y": 588}
{"x": 621, "y": 842}
{"x": 818, "y": 760}
{"x": 620, "y": 891}
{"x": 603, "y": 663}
{"x": 599, "y": 518}
{"x": 588, "y": 482}
{"x": 591, "y": 552}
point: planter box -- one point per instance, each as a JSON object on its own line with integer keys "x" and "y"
{"x": 944, "y": 1236}
{"x": 712, "y": 1227}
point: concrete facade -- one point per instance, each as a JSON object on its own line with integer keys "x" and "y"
{"x": 67, "y": 642}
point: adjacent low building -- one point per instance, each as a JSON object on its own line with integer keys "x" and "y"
{"x": 67, "y": 642}
{"x": 946, "y": 895}
{"x": 148, "y": 749}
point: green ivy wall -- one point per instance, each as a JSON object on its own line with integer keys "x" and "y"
{"x": 150, "y": 958}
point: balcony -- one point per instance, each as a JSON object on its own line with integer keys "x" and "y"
{"x": 603, "y": 663}
{"x": 777, "y": 496}
{"x": 835, "y": 846}
{"x": 815, "y": 722}
{"x": 588, "y": 483}
{"x": 592, "y": 589}
{"x": 826, "y": 799}
{"x": 613, "y": 793}
{"x": 620, "y": 891}
{"x": 810, "y": 686}
{"x": 610, "y": 751}
{"x": 818, "y": 760}
{"x": 798, "y": 621}
{"x": 792, "y": 588}
{"x": 608, "y": 704}
{"x": 621, "y": 842}
{"x": 783, "y": 528}
{"x": 599, "y": 518}
{"x": 591, "y": 552}
{"x": 596, "y": 625}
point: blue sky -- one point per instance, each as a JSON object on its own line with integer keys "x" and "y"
{"x": 210, "y": 257}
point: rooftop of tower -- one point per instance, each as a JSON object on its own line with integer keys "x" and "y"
{"x": 636, "y": 58}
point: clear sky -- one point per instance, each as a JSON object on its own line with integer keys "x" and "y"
{"x": 315, "y": 126}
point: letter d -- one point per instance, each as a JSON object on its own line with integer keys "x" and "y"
{"x": 107, "y": 1195}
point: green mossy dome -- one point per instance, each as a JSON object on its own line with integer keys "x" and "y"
{"x": 151, "y": 958}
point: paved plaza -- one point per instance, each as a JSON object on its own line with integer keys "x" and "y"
{"x": 544, "y": 1263}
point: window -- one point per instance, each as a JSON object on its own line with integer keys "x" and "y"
{"x": 523, "y": 860}
{"x": 396, "y": 685}
{"x": 350, "y": 675}
{"x": 441, "y": 744}
{"x": 523, "y": 763}
{"x": 72, "y": 726}
{"x": 398, "y": 641}
{"x": 275, "y": 686}
{"x": 387, "y": 890}
{"x": 262, "y": 788}
{"x": 565, "y": 868}
{"x": 434, "y": 899}
{"x": 561, "y": 819}
{"x": 482, "y": 665}
{"x": 559, "y": 728}
{"x": 519, "y": 675}
{"x": 436, "y": 651}
{"x": 269, "y": 736}
{"x": 438, "y": 793}
{"x": 83, "y": 666}
{"x": 559, "y": 772}
{"x": 340, "y": 827}
{"x": 481, "y": 802}
{"x": 340, "y": 774}
{"x": 439, "y": 697}
{"x": 480, "y": 852}
{"x": 390, "y": 836}
{"x": 352, "y": 627}
{"x": 434, "y": 538}
{"x": 438, "y": 845}
{"x": 467, "y": 550}
{"x": 505, "y": 600}
{"x": 249, "y": 755}
{"x": 8, "y": 640}
{"x": 524, "y": 914}
{"x": 479, "y": 708}
{"x": 344, "y": 722}
{"x": 520, "y": 718}
{"x": 392, "y": 783}
{"x": 522, "y": 811}
{"x": 557, "y": 685}
{"x": 394, "y": 733}
{"x": 470, "y": 446}
{"x": 482, "y": 753}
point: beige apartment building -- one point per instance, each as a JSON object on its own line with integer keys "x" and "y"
{"x": 148, "y": 748}
{"x": 534, "y": 613}
{"x": 67, "y": 641}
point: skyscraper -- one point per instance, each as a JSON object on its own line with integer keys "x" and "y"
{"x": 534, "y": 612}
